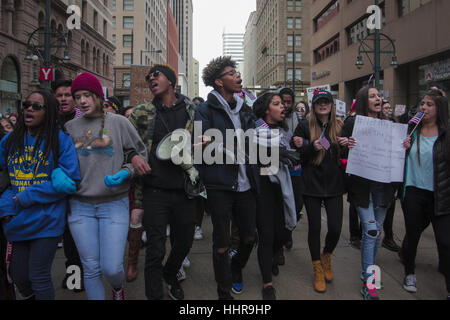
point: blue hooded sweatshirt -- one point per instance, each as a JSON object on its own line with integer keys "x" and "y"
{"x": 42, "y": 210}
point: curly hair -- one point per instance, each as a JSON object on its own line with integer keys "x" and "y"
{"x": 213, "y": 70}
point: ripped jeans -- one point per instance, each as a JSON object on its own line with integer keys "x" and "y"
{"x": 372, "y": 220}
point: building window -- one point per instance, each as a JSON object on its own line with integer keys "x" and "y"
{"x": 127, "y": 40}
{"x": 290, "y": 23}
{"x": 127, "y": 59}
{"x": 294, "y": 5}
{"x": 407, "y": 6}
{"x": 328, "y": 49}
{"x": 114, "y": 22}
{"x": 128, "y": 22}
{"x": 126, "y": 80}
{"x": 114, "y": 4}
{"x": 128, "y": 5}
{"x": 359, "y": 31}
{"x": 298, "y": 23}
{"x": 9, "y": 86}
{"x": 326, "y": 15}
{"x": 114, "y": 39}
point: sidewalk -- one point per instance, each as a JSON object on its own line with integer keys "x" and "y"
{"x": 295, "y": 279}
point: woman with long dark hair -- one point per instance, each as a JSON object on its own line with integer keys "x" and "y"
{"x": 427, "y": 186}
{"x": 275, "y": 203}
{"x": 33, "y": 212}
{"x": 323, "y": 181}
{"x": 370, "y": 198}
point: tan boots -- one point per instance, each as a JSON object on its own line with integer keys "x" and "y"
{"x": 322, "y": 272}
{"x": 319, "y": 277}
{"x": 325, "y": 258}
{"x": 134, "y": 240}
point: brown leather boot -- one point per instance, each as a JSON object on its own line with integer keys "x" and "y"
{"x": 325, "y": 258}
{"x": 319, "y": 278}
{"x": 134, "y": 240}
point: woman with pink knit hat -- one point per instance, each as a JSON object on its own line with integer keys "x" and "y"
{"x": 99, "y": 219}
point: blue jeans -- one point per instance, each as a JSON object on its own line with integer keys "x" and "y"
{"x": 372, "y": 220}
{"x": 31, "y": 265}
{"x": 100, "y": 233}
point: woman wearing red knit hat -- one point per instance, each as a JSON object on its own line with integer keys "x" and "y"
{"x": 99, "y": 216}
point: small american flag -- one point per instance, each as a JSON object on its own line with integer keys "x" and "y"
{"x": 260, "y": 123}
{"x": 324, "y": 141}
{"x": 417, "y": 118}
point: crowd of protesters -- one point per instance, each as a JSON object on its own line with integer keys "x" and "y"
{"x": 78, "y": 167}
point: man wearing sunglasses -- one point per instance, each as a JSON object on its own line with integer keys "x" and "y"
{"x": 67, "y": 112}
{"x": 161, "y": 194}
{"x": 231, "y": 188}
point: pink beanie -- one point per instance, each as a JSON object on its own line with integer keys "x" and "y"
{"x": 87, "y": 81}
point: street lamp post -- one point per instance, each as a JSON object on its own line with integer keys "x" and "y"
{"x": 149, "y": 51}
{"x": 365, "y": 48}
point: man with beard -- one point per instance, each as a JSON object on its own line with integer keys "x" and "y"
{"x": 67, "y": 112}
{"x": 162, "y": 192}
{"x": 231, "y": 188}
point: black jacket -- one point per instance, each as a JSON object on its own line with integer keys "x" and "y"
{"x": 359, "y": 188}
{"x": 225, "y": 176}
{"x": 326, "y": 179}
{"x": 441, "y": 176}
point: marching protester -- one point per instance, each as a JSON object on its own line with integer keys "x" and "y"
{"x": 32, "y": 211}
{"x": 163, "y": 195}
{"x": 113, "y": 105}
{"x": 302, "y": 109}
{"x": 427, "y": 185}
{"x": 67, "y": 112}
{"x": 99, "y": 216}
{"x": 370, "y": 198}
{"x": 6, "y": 125}
{"x": 231, "y": 188}
{"x": 388, "y": 239}
{"x": 323, "y": 181}
{"x": 275, "y": 213}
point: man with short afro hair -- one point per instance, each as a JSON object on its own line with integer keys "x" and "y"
{"x": 215, "y": 68}
{"x": 232, "y": 188}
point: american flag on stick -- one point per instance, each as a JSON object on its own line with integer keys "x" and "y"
{"x": 417, "y": 118}
{"x": 324, "y": 141}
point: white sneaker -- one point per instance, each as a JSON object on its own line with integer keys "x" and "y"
{"x": 60, "y": 245}
{"x": 181, "y": 274}
{"x": 168, "y": 231}
{"x": 186, "y": 263}
{"x": 409, "y": 284}
{"x": 198, "y": 235}
{"x": 144, "y": 237}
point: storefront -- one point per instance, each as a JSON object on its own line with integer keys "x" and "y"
{"x": 9, "y": 86}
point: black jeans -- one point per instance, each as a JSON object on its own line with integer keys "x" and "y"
{"x": 199, "y": 210}
{"x": 70, "y": 249}
{"x": 163, "y": 207}
{"x": 419, "y": 213}
{"x": 334, "y": 209}
{"x": 270, "y": 224}
{"x": 224, "y": 206}
{"x": 31, "y": 266}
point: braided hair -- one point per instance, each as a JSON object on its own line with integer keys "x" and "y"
{"x": 49, "y": 135}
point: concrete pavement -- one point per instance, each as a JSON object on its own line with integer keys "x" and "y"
{"x": 295, "y": 279}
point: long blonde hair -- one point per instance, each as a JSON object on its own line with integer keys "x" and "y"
{"x": 335, "y": 130}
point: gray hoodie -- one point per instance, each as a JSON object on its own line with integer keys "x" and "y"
{"x": 102, "y": 155}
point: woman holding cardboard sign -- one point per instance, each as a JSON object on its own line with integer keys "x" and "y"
{"x": 320, "y": 148}
{"x": 370, "y": 198}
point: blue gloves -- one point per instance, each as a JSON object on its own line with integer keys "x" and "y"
{"x": 117, "y": 179}
{"x": 62, "y": 183}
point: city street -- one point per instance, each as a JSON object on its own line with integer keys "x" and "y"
{"x": 295, "y": 281}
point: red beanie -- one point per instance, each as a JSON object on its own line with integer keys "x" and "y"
{"x": 89, "y": 82}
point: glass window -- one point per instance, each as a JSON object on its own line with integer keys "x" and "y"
{"x": 128, "y": 22}
{"x": 128, "y": 5}
{"x": 127, "y": 59}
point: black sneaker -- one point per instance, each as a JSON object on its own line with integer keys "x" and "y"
{"x": 236, "y": 279}
{"x": 176, "y": 291}
{"x": 268, "y": 293}
{"x": 224, "y": 295}
{"x": 390, "y": 245}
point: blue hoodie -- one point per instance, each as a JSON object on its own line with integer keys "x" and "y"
{"x": 42, "y": 210}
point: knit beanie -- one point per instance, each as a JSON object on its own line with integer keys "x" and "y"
{"x": 167, "y": 71}
{"x": 89, "y": 82}
{"x": 115, "y": 103}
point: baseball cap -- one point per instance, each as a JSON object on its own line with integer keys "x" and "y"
{"x": 322, "y": 94}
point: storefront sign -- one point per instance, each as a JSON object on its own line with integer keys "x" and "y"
{"x": 317, "y": 76}
{"x": 437, "y": 71}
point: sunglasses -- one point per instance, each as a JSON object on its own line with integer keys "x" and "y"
{"x": 36, "y": 106}
{"x": 154, "y": 74}
{"x": 231, "y": 73}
